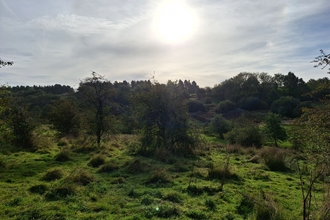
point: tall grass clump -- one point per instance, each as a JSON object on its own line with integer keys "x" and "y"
{"x": 53, "y": 174}
{"x": 97, "y": 161}
{"x": 275, "y": 158}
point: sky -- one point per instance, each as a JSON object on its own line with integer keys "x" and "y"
{"x": 207, "y": 41}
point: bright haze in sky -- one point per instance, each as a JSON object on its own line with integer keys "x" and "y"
{"x": 207, "y": 41}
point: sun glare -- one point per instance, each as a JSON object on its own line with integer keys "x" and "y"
{"x": 174, "y": 22}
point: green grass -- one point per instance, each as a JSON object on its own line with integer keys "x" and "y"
{"x": 129, "y": 186}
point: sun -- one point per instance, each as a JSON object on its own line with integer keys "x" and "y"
{"x": 174, "y": 21}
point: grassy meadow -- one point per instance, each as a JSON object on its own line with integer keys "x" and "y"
{"x": 71, "y": 178}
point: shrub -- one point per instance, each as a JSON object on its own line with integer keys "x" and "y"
{"x": 219, "y": 125}
{"x": 225, "y": 106}
{"x": 96, "y": 161}
{"x": 208, "y": 100}
{"x": 195, "y": 106}
{"x": 285, "y": 106}
{"x": 53, "y": 174}
{"x": 249, "y": 103}
{"x": 249, "y": 136}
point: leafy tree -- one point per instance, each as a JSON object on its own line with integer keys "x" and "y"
{"x": 322, "y": 60}
{"x": 219, "y": 125}
{"x": 5, "y": 99}
{"x": 249, "y": 136}
{"x": 162, "y": 112}
{"x": 273, "y": 128}
{"x": 195, "y": 106}
{"x": 285, "y": 106}
{"x": 21, "y": 123}
{"x": 225, "y": 106}
{"x": 64, "y": 116}
{"x": 4, "y": 63}
{"x": 96, "y": 92}
{"x": 245, "y": 133}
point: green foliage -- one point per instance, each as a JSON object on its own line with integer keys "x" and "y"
{"x": 273, "y": 128}
{"x": 208, "y": 100}
{"x": 162, "y": 112}
{"x": 96, "y": 93}
{"x": 225, "y": 106}
{"x": 219, "y": 125}
{"x": 285, "y": 106}
{"x": 249, "y": 136}
{"x": 64, "y": 116}
{"x": 249, "y": 103}
{"x": 195, "y": 106}
{"x": 21, "y": 124}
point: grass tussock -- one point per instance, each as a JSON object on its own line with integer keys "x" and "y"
{"x": 60, "y": 192}
{"x": 119, "y": 180}
{"x": 275, "y": 158}
{"x": 221, "y": 172}
{"x": 195, "y": 190}
{"x": 38, "y": 189}
{"x": 108, "y": 167}
{"x": 173, "y": 197}
{"x": 53, "y": 174}
{"x": 159, "y": 177}
{"x": 97, "y": 161}
{"x": 63, "y": 155}
{"x": 137, "y": 167}
{"x": 82, "y": 177}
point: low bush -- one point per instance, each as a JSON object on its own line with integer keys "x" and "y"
{"x": 53, "y": 174}
{"x": 225, "y": 106}
{"x": 195, "y": 106}
{"x": 249, "y": 136}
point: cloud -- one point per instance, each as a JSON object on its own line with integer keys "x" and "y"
{"x": 66, "y": 40}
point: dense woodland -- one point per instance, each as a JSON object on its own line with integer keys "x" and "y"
{"x": 254, "y": 146}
